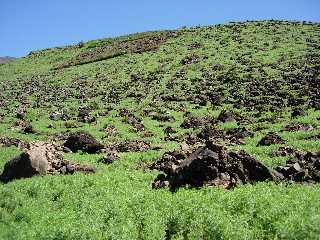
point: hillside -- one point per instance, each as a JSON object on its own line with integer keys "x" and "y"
{"x": 5, "y": 59}
{"x": 151, "y": 100}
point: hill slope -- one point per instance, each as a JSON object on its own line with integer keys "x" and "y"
{"x": 145, "y": 94}
{"x": 5, "y": 59}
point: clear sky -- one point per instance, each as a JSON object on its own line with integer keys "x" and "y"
{"x": 27, "y": 25}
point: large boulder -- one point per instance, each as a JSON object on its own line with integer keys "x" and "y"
{"x": 83, "y": 141}
{"x": 39, "y": 158}
{"x": 213, "y": 165}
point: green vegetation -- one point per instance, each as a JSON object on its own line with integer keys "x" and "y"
{"x": 260, "y": 71}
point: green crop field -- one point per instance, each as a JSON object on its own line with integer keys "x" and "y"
{"x": 157, "y": 89}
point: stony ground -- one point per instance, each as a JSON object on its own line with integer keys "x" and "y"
{"x": 174, "y": 127}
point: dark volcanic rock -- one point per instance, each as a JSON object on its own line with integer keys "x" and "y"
{"x": 171, "y": 160}
{"x": 8, "y": 142}
{"x": 270, "y": 139}
{"x": 28, "y": 129}
{"x": 111, "y": 130}
{"x": 296, "y": 112}
{"x": 284, "y": 151}
{"x": 40, "y": 158}
{"x": 192, "y": 121}
{"x": 298, "y": 127}
{"x": 190, "y": 59}
{"x": 21, "y": 114}
{"x": 83, "y": 141}
{"x": 109, "y": 158}
{"x": 131, "y": 146}
{"x": 209, "y": 132}
{"x": 169, "y": 130}
{"x": 304, "y": 167}
{"x": 236, "y": 135}
{"x": 226, "y": 116}
{"x": 211, "y": 165}
{"x": 162, "y": 117}
{"x": 135, "y": 123}
{"x": 315, "y": 105}
{"x": 84, "y": 116}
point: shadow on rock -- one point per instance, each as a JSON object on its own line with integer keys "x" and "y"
{"x": 40, "y": 158}
{"x": 270, "y": 139}
{"x": 82, "y": 141}
{"x": 213, "y": 165}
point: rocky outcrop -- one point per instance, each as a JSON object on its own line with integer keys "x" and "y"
{"x": 213, "y": 165}
{"x": 40, "y": 158}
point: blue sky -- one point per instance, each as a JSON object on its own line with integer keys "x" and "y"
{"x": 27, "y": 25}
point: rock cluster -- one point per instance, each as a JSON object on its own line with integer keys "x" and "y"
{"x": 270, "y": 138}
{"x": 82, "y": 141}
{"x": 40, "y": 158}
{"x": 213, "y": 165}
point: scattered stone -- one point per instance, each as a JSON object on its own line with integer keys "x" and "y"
{"x": 148, "y": 134}
{"x": 190, "y": 138}
{"x": 298, "y": 127}
{"x": 63, "y": 136}
{"x": 21, "y": 123}
{"x": 192, "y": 121}
{"x": 131, "y": 146}
{"x": 83, "y": 141}
{"x": 84, "y": 115}
{"x": 194, "y": 45}
{"x": 131, "y": 119}
{"x": 171, "y": 160}
{"x": 303, "y": 167}
{"x": 111, "y": 130}
{"x": 209, "y": 133}
{"x": 169, "y": 130}
{"x": 297, "y": 112}
{"x": 135, "y": 123}
{"x": 21, "y": 114}
{"x": 236, "y": 135}
{"x": 109, "y": 158}
{"x": 226, "y": 116}
{"x": 55, "y": 116}
{"x": 40, "y": 158}
{"x": 8, "y": 142}
{"x": 314, "y": 137}
{"x": 315, "y": 105}
{"x": 171, "y": 137}
{"x": 284, "y": 151}
{"x": 124, "y": 112}
{"x": 66, "y": 150}
{"x": 162, "y": 117}
{"x": 190, "y": 59}
{"x": 270, "y": 139}
{"x": 28, "y": 129}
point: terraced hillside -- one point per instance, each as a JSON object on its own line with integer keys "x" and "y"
{"x": 152, "y": 101}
